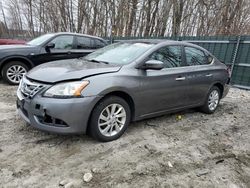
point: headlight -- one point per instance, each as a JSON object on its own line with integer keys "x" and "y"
{"x": 67, "y": 89}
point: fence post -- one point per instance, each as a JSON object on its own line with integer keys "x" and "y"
{"x": 235, "y": 54}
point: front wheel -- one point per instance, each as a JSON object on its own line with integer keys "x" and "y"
{"x": 212, "y": 100}
{"x": 13, "y": 72}
{"x": 110, "y": 119}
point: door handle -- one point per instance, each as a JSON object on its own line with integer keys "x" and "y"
{"x": 180, "y": 78}
{"x": 209, "y": 75}
{"x": 69, "y": 52}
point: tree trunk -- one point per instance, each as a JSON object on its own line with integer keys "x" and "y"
{"x": 177, "y": 16}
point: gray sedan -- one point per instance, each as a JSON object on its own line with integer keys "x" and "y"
{"x": 103, "y": 92}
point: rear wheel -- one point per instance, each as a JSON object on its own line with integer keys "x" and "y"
{"x": 13, "y": 72}
{"x": 212, "y": 101}
{"x": 110, "y": 119}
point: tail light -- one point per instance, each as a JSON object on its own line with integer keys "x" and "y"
{"x": 229, "y": 71}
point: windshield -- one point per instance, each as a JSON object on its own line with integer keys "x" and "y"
{"x": 40, "y": 40}
{"x": 119, "y": 53}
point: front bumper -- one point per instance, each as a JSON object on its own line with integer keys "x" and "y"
{"x": 65, "y": 116}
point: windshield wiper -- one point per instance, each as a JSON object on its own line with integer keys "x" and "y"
{"x": 96, "y": 61}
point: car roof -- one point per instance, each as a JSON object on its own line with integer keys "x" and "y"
{"x": 77, "y": 34}
{"x": 148, "y": 41}
{"x": 156, "y": 41}
{"x": 164, "y": 42}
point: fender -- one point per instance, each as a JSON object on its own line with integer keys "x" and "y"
{"x": 115, "y": 89}
{"x": 123, "y": 92}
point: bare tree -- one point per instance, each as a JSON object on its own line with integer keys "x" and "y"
{"x": 128, "y": 18}
{"x": 177, "y": 16}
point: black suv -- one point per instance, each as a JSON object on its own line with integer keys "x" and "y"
{"x": 16, "y": 60}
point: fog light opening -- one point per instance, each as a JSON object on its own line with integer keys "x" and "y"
{"x": 51, "y": 121}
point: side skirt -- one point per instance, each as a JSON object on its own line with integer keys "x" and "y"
{"x": 163, "y": 112}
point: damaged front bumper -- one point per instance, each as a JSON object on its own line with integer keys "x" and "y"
{"x": 65, "y": 116}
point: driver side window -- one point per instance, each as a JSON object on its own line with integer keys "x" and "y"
{"x": 171, "y": 56}
{"x": 63, "y": 42}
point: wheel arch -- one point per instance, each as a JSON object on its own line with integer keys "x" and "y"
{"x": 124, "y": 95}
{"x": 16, "y": 58}
{"x": 221, "y": 88}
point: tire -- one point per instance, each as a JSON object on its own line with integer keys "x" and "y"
{"x": 104, "y": 127}
{"x": 212, "y": 100}
{"x": 11, "y": 67}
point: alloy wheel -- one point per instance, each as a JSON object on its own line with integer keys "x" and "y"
{"x": 112, "y": 120}
{"x": 15, "y": 73}
{"x": 213, "y": 100}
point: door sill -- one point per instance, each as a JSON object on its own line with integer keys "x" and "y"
{"x": 162, "y": 112}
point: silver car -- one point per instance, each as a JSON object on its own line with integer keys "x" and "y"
{"x": 103, "y": 92}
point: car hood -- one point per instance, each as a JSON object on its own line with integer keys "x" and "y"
{"x": 15, "y": 47}
{"x": 71, "y": 69}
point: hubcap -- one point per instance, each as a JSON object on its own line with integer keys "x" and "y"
{"x": 213, "y": 100}
{"x": 15, "y": 73}
{"x": 111, "y": 120}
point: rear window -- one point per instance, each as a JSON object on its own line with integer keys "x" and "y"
{"x": 98, "y": 43}
{"x": 84, "y": 43}
{"x": 195, "y": 56}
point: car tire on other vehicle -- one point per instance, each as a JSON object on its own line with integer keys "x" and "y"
{"x": 13, "y": 72}
{"x": 212, "y": 100}
{"x": 109, "y": 119}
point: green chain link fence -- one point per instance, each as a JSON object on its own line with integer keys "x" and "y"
{"x": 232, "y": 50}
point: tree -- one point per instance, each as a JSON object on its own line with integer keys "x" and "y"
{"x": 128, "y": 18}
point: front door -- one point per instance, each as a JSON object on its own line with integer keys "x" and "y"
{"x": 63, "y": 49}
{"x": 163, "y": 90}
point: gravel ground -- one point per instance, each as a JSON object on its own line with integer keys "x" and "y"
{"x": 195, "y": 151}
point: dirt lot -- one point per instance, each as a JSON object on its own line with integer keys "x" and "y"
{"x": 197, "y": 151}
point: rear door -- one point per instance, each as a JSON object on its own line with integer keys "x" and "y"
{"x": 84, "y": 46}
{"x": 199, "y": 74}
{"x": 163, "y": 90}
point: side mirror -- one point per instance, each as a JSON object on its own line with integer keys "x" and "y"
{"x": 153, "y": 64}
{"x": 49, "y": 46}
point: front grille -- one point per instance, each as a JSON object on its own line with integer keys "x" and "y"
{"x": 29, "y": 89}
